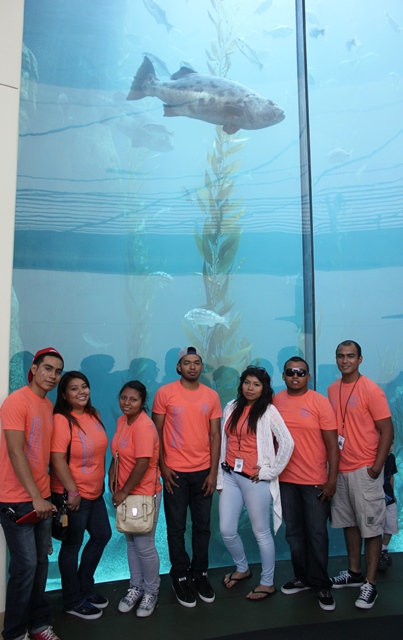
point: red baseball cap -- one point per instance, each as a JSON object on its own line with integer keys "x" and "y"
{"x": 48, "y": 351}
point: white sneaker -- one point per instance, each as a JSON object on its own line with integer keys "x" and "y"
{"x": 147, "y": 605}
{"x": 134, "y": 594}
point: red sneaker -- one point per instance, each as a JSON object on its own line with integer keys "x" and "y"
{"x": 46, "y": 634}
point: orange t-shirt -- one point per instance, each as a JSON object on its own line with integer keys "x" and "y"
{"x": 138, "y": 440}
{"x": 186, "y": 431}
{"x": 242, "y": 444}
{"x": 360, "y": 407}
{"x": 87, "y": 453}
{"x": 306, "y": 417}
{"x": 23, "y": 410}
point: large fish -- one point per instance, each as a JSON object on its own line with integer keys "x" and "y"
{"x": 208, "y": 98}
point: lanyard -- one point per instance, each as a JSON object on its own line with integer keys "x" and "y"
{"x": 239, "y": 436}
{"x": 344, "y": 413}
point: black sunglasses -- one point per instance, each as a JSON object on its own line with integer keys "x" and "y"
{"x": 301, "y": 373}
{"x": 252, "y": 367}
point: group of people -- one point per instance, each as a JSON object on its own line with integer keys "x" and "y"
{"x": 296, "y": 455}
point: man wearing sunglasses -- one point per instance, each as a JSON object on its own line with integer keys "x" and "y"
{"x": 308, "y": 482}
{"x": 365, "y": 435}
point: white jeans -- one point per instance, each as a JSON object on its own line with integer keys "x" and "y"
{"x": 143, "y": 558}
{"x": 237, "y": 492}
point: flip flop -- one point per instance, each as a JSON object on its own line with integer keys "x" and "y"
{"x": 231, "y": 579}
{"x": 267, "y": 594}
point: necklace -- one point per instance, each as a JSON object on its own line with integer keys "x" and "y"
{"x": 344, "y": 413}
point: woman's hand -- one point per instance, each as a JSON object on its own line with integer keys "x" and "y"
{"x": 119, "y": 497}
{"x": 255, "y": 476}
{"x": 73, "y": 502}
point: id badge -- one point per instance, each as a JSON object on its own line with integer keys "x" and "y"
{"x": 238, "y": 465}
{"x": 340, "y": 441}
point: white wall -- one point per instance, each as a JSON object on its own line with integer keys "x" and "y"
{"x": 11, "y": 25}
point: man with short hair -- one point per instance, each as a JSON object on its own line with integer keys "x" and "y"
{"x": 365, "y": 434}
{"x": 308, "y": 482}
{"x": 26, "y": 431}
{"x": 187, "y": 416}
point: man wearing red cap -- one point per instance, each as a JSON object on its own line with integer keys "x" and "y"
{"x": 26, "y": 430}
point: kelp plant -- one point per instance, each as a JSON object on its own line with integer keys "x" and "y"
{"x": 219, "y": 241}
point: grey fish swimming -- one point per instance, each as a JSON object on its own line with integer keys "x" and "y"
{"x": 206, "y": 317}
{"x": 208, "y": 98}
{"x": 248, "y": 52}
{"x": 158, "y": 14}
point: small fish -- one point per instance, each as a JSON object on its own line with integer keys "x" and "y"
{"x": 97, "y": 345}
{"x": 158, "y": 14}
{"x": 339, "y": 155}
{"x": 206, "y": 317}
{"x": 282, "y": 31}
{"x": 393, "y": 23}
{"x": 163, "y": 278}
{"x": 207, "y": 98}
{"x": 185, "y": 63}
{"x": 158, "y": 64}
{"x": 396, "y": 316}
{"x": 264, "y": 6}
{"x": 316, "y": 31}
{"x": 353, "y": 42}
{"x": 248, "y": 52}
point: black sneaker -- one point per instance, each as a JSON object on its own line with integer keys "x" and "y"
{"x": 183, "y": 592}
{"x": 345, "y": 579}
{"x": 367, "y": 597}
{"x": 294, "y": 586}
{"x": 86, "y": 611}
{"x": 98, "y": 601}
{"x": 384, "y": 561}
{"x": 326, "y": 601}
{"x": 204, "y": 588}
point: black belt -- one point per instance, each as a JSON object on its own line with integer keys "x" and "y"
{"x": 227, "y": 467}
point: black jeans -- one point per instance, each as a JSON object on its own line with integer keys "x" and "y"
{"x": 188, "y": 494}
{"x": 306, "y": 532}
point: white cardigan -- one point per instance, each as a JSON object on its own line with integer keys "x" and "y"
{"x": 270, "y": 461}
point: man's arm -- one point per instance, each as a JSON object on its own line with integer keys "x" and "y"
{"x": 168, "y": 474}
{"x": 332, "y": 451}
{"x": 15, "y": 441}
{"x": 210, "y": 482}
{"x": 385, "y": 428}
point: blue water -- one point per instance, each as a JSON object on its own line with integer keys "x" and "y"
{"x": 109, "y": 255}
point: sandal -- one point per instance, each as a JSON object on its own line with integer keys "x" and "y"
{"x": 230, "y": 578}
{"x": 264, "y": 594}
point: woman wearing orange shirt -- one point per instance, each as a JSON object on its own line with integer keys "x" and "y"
{"x": 248, "y": 475}
{"x": 77, "y": 458}
{"x": 137, "y": 446}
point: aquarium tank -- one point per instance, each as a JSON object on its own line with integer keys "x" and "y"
{"x": 215, "y": 173}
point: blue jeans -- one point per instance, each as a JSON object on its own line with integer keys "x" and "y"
{"x": 306, "y": 532}
{"x": 256, "y": 496}
{"x": 78, "y": 581}
{"x": 188, "y": 494}
{"x": 143, "y": 558}
{"x": 28, "y": 544}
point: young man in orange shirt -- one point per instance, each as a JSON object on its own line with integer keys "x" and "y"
{"x": 187, "y": 416}
{"x": 308, "y": 482}
{"x": 26, "y": 425}
{"x": 365, "y": 434}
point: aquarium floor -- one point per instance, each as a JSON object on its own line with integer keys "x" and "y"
{"x": 296, "y": 617}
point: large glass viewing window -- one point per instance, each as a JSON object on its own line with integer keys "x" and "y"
{"x": 137, "y": 234}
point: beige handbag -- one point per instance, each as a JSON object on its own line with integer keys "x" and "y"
{"x": 136, "y": 513}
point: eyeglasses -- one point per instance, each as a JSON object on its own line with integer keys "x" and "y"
{"x": 252, "y": 366}
{"x": 301, "y": 373}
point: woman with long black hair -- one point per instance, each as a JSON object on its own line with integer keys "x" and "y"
{"x": 77, "y": 458}
{"x": 256, "y": 447}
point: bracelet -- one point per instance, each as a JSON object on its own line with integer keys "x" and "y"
{"x": 73, "y": 495}
{"x": 377, "y": 474}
